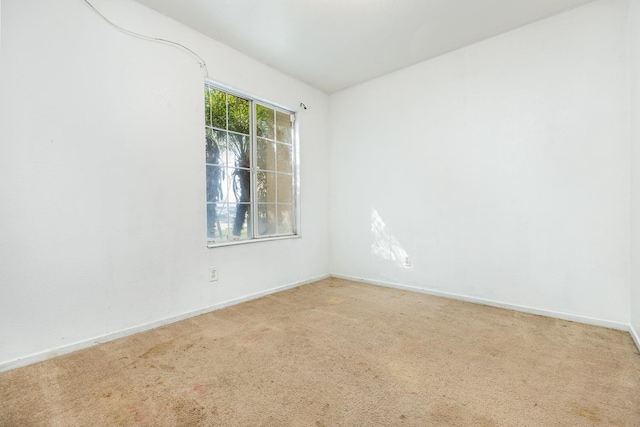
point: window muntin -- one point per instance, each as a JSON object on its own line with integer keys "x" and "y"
{"x": 250, "y": 168}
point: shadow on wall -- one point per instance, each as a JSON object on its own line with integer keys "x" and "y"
{"x": 384, "y": 244}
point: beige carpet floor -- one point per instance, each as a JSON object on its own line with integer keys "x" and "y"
{"x": 339, "y": 353}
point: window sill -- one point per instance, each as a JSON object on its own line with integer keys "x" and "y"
{"x": 212, "y": 245}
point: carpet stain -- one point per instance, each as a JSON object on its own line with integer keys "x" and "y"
{"x": 251, "y": 338}
{"x": 588, "y": 414}
{"x": 138, "y": 411}
{"x": 158, "y": 350}
{"x": 191, "y": 344}
{"x": 189, "y": 413}
{"x": 199, "y": 388}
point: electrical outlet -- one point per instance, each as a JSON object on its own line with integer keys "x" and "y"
{"x": 407, "y": 261}
{"x": 213, "y": 274}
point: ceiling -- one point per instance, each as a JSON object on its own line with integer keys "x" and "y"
{"x": 335, "y": 44}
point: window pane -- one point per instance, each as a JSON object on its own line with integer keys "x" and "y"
{"x": 217, "y": 221}
{"x": 226, "y": 221}
{"x": 283, "y": 123}
{"x": 266, "y": 155}
{"x": 266, "y": 219}
{"x": 215, "y": 142}
{"x": 236, "y": 189}
{"x": 265, "y": 122}
{"x": 266, "y": 183}
{"x": 227, "y": 157}
{"x": 239, "y": 218}
{"x": 284, "y": 158}
{"x": 215, "y": 184}
{"x": 238, "y": 114}
{"x": 240, "y": 182}
{"x": 215, "y": 111}
{"x": 285, "y": 219}
{"x": 285, "y": 188}
{"x": 239, "y": 150}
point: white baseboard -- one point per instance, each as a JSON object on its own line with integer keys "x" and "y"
{"x": 39, "y": 357}
{"x": 635, "y": 336}
{"x": 559, "y": 315}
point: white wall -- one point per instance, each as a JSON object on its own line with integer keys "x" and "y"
{"x": 634, "y": 21}
{"x": 102, "y": 177}
{"x": 501, "y": 170}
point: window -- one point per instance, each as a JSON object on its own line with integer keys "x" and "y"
{"x": 250, "y": 168}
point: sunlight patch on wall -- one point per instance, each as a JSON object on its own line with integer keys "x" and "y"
{"x": 384, "y": 244}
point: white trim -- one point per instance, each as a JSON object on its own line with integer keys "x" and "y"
{"x": 635, "y": 336}
{"x": 215, "y": 84}
{"x": 295, "y": 173}
{"x": 39, "y": 357}
{"x": 222, "y": 243}
{"x": 565, "y": 316}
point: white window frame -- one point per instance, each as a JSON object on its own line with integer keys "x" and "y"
{"x": 253, "y": 100}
